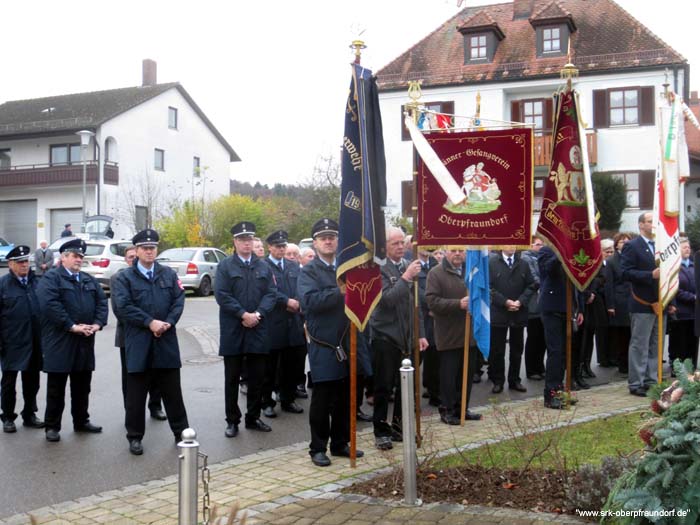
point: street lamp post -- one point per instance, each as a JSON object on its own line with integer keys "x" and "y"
{"x": 85, "y": 136}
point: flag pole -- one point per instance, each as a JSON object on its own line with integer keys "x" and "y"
{"x": 569, "y": 326}
{"x": 358, "y": 46}
{"x": 465, "y": 368}
{"x": 414, "y": 93}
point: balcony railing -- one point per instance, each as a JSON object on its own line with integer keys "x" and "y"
{"x": 57, "y": 174}
{"x": 543, "y": 149}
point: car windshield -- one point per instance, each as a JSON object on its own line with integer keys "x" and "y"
{"x": 177, "y": 254}
{"x": 3, "y": 242}
{"x": 94, "y": 249}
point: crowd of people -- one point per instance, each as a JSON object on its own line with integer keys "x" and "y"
{"x": 280, "y": 309}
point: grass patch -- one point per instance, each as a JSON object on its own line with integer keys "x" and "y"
{"x": 584, "y": 443}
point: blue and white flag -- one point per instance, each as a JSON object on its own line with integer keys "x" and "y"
{"x": 477, "y": 280}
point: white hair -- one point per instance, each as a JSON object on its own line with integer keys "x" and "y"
{"x": 305, "y": 251}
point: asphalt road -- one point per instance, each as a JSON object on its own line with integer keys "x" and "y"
{"x": 38, "y": 473}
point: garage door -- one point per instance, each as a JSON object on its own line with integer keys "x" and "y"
{"x": 63, "y": 216}
{"x": 18, "y": 222}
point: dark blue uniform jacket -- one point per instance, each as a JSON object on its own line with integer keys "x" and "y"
{"x": 240, "y": 289}
{"x": 285, "y": 328}
{"x": 553, "y": 285}
{"x": 20, "y": 329}
{"x": 138, "y": 301}
{"x": 63, "y": 303}
{"x": 637, "y": 264}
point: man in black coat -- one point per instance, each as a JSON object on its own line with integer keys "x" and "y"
{"x": 512, "y": 286}
{"x": 149, "y": 300}
{"x": 431, "y": 363}
{"x": 20, "y": 340}
{"x": 323, "y": 306}
{"x": 285, "y": 363}
{"x": 74, "y": 309}
{"x": 154, "y": 398}
{"x": 246, "y": 293}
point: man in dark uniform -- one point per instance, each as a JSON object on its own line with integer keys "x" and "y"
{"x": 67, "y": 232}
{"x": 154, "y": 398}
{"x": 431, "y": 364}
{"x": 20, "y": 340}
{"x": 246, "y": 294}
{"x": 323, "y": 306}
{"x": 285, "y": 364}
{"x": 149, "y": 300}
{"x": 74, "y": 309}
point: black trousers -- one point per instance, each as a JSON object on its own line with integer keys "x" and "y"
{"x": 329, "y": 415}
{"x": 451, "y": 364}
{"x": 682, "y": 343}
{"x": 167, "y": 380}
{"x": 387, "y": 361}
{"x": 154, "y": 397}
{"x": 8, "y": 395}
{"x": 282, "y": 374}
{"x": 255, "y": 366}
{"x": 555, "y": 335}
{"x": 535, "y": 347}
{"x": 619, "y": 344}
{"x": 56, "y": 397}
{"x": 599, "y": 334}
{"x": 431, "y": 371}
{"x": 497, "y": 356}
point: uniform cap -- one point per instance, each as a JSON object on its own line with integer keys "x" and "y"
{"x": 147, "y": 237}
{"x": 277, "y": 238}
{"x": 243, "y": 228}
{"x": 18, "y": 253}
{"x": 324, "y": 226}
{"x": 75, "y": 246}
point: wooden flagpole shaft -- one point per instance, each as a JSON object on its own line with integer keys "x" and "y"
{"x": 465, "y": 368}
{"x": 353, "y": 394}
{"x": 569, "y": 321}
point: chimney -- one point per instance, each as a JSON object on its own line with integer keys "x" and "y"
{"x": 150, "y": 69}
{"x": 522, "y": 9}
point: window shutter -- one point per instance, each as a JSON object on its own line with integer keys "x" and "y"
{"x": 448, "y": 107}
{"x": 515, "y": 115}
{"x": 600, "y": 108}
{"x": 404, "y": 129}
{"x": 548, "y": 115}
{"x": 646, "y": 189}
{"x": 564, "y": 35}
{"x": 646, "y": 106}
{"x": 539, "y": 36}
{"x": 407, "y": 198}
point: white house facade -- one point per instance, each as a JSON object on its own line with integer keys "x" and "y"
{"x": 152, "y": 146}
{"x": 515, "y": 79}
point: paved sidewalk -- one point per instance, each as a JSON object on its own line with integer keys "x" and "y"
{"x": 281, "y": 486}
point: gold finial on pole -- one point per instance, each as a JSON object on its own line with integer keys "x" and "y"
{"x": 569, "y": 71}
{"x": 358, "y": 46}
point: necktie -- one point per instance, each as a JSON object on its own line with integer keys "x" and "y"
{"x": 150, "y": 275}
{"x": 23, "y": 280}
{"x": 510, "y": 262}
{"x": 399, "y": 267}
{"x": 247, "y": 263}
{"x": 332, "y": 267}
{"x": 279, "y": 265}
{"x": 652, "y": 246}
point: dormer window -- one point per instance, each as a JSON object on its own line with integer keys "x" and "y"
{"x": 477, "y": 47}
{"x": 551, "y": 39}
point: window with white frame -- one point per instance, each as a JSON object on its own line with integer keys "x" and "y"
{"x": 159, "y": 159}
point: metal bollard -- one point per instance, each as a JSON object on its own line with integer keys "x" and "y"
{"x": 187, "y": 478}
{"x": 409, "y": 433}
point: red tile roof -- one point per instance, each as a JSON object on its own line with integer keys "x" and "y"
{"x": 606, "y": 38}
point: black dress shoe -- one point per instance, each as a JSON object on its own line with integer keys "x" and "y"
{"x": 33, "y": 422}
{"x": 361, "y": 416}
{"x": 292, "y": 407}
{"x": 159, "y": 414}
{"x": 554, "y": 403}
{"x": 472, "y": 416}
{"x": 135, "y": 447}
{"x": 258, "y": 425}
{"x": 396, "y": 434}
{"x": 449, "y": 419}
{"x": 53, "y": 435}
{"x": 476, "y": 378}
{"x": 301, "y": 392}
{"x": 639, "y": 392}
{"x": 518, "y": 387}
{"x": 536, "y": 377}
{"x": 497, "y": 389}
{"x": 434, "y": 401}
{"x": 9, "y": 426}
{"x": 320, "y": 459}
{"x": 345, "y": 452}
{"x": 383, "y": 443}
{"x": 231, "y": 430}
{"x": 88, "y": 427}
{"x": 269, "y": 412}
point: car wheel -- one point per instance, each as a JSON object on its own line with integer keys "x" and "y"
{"x": 204, "y": 287}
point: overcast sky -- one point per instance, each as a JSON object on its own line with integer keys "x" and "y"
{"x": 271, "y": 75}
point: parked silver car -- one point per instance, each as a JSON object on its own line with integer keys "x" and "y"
{"x": 104, "y": 258}
{"x": 195, "y": 266}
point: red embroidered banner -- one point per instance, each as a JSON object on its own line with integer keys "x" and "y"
{"x": 494, "y": 171}
{"x": 564, "y": 221}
